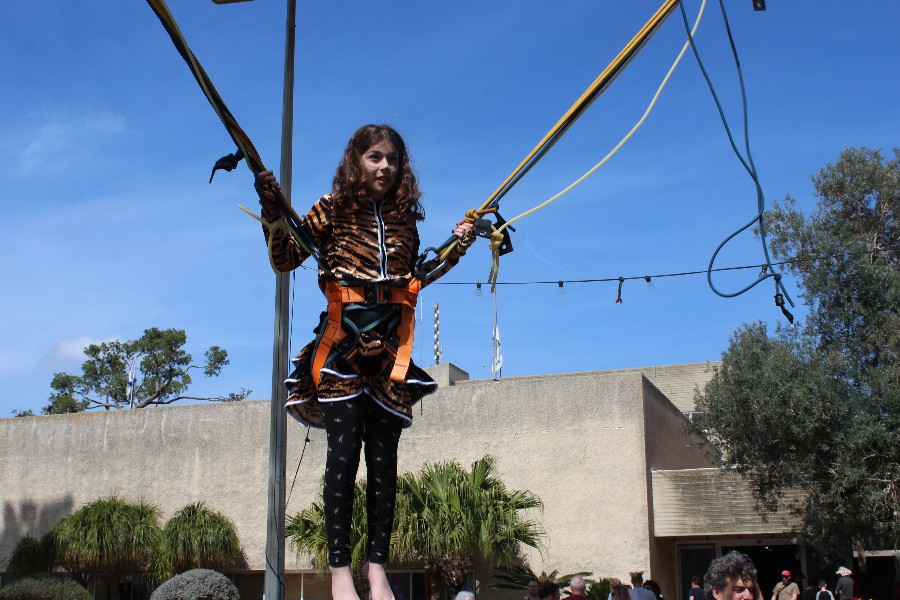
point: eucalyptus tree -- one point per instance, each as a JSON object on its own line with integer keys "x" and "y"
{"x": 817, "y": 408}
{"x": 152, "y": 370}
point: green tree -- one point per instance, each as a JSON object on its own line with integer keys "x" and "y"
{"x": 818, "y": 408}
{"x": 162, "y": 375}
{"x": 197, "y": 537}
{"x": 109, "y": 537}
{"x": 450, "y": 519}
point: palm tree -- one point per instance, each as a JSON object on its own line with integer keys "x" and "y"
{"x": 197, "y": 537}
{"x": 109, "y": 536}
{"x": 446, "y": 517}
{"x": 450, "y": 518}
{"x": 516, "y": 577}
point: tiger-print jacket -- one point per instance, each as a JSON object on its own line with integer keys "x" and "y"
{"x": 370, "y": 242}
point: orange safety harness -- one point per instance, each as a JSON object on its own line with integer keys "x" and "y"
{"x": 339, "y": 295}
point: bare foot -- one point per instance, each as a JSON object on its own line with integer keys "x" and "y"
{"x": 342, "y": 587}
{"x": 378, "y": 583}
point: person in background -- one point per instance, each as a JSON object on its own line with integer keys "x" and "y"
{"x": 731, "y": 577}
{"x": 551, "y": 591}
{"x": 810, "y": 592}
{"x": 696, "y": 591}
{"x": 823, "y": 593}
{"x": 534, "y": 590}
{"x": 844, "y": 588}
{"x": 577, "y": 587}
{"x": 618, "y": 591}
{"x": 654, "y": 587}
{"x": 786, "y": 589}
{"x": 638, "y": 591}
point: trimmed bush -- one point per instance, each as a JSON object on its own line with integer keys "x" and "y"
{"x": 44, "y": 587}
{"x": 197, "y": 584}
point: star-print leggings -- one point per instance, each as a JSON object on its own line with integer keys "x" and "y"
{"x": 346, "y": 423}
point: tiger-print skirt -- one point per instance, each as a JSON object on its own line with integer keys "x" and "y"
{"x": 340, "y": 381}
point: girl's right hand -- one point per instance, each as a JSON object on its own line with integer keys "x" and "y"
{"x": 266, "y": 187}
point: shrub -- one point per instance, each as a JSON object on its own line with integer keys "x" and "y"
{"x": 197, "y": 537}
{"x": 44, "y": 587}
{"x": 197, "y": 584}
{"x": 31, "y": 556}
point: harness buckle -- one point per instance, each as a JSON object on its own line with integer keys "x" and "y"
{"x": 372, "y": 293}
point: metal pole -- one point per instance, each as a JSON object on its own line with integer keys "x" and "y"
{"x": 274, "y": 581}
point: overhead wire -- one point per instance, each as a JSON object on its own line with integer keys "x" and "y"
{"x": 762, "y": 267}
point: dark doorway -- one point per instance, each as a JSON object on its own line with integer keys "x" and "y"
{"x": 693, "y": 560}
{"x": 770, "y": 561}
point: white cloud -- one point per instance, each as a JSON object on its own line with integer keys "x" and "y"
{"x": 70, "y": 350}
{"x": 48, "y": 141}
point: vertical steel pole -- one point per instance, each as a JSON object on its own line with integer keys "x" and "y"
{"x": 274, "y": 581}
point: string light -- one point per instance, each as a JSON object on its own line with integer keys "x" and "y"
{"x": 779, "y": 298}
{"x": 649, "y": 278}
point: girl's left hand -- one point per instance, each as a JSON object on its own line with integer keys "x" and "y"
{"x": 465, "y": 233}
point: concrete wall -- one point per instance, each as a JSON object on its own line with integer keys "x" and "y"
{"x": 666, "y": 445}
{"x": 582, "y": 442}
{"x": 574, "y": 440}
{"x": 217, "y": 453}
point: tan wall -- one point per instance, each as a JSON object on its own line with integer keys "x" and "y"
{"x": 574, "y": 440}
{"x": 174, "y": 456}
{"x": 577, "y": 441}
{"x": 666, "y": 445}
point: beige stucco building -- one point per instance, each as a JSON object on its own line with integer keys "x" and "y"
{"x": 624, "y": 487}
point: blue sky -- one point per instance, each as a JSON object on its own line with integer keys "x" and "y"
{"x": 109, "y": 225}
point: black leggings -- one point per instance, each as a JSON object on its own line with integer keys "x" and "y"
{"x": 346, "y": 423}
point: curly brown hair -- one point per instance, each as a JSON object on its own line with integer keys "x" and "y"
{"x": 348, "y": 186}
{"x": 731, "y": 566}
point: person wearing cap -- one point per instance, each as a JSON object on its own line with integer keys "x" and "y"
{"x": 844, "y": 588}
{"x": 786, "y": 589}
